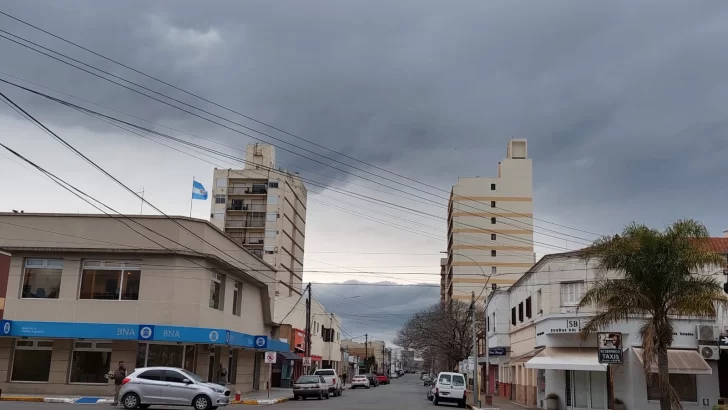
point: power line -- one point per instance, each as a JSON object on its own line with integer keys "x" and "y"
{"x": 241, "y": 125}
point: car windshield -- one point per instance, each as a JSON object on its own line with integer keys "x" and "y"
{"x": 458, "y": 381}
{"x": 191, "y": 376}
{"x": 308, "y": 380}
{"x": 325, "y": 372}
{"x": 445, "y": 379}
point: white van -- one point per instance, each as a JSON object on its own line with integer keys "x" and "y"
{"x": 450, "y": 388}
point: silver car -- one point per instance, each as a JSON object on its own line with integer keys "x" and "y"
{"x": 171, "y": 386}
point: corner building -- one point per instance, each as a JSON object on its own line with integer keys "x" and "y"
{"x": 86, "y": 291}
{"x": 490, "y": 228}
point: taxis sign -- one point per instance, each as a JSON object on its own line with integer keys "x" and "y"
{"x": 610, "y": 348}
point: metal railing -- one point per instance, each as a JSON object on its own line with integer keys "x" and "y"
{"x": 244, "y": 224}
{"x": 247, "y": 191}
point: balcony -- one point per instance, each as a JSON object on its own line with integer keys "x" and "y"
{"x": 246, "y": 207}
{"x": 244, "y": 224}
{"x": 247, "y": 191}
{"x": 257, "y": 252}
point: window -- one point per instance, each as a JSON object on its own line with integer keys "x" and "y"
{"x": 215, "y": 291}
{"x": 271, "y": 233}
{"x": 221, "y": 182}
{"x": 492, "y": 252}
{"x": 539, "y": 308}
{"x": 218, "y": 216}
{"x": 91, "y": 361}
{"x": 513, "y": 316}
{"x": 151, "y": 375}
{"x": 174, "y": 377}
{"x": 272, "y": 199}
{"x": 493, "y": 270}
{"x": 237, "y": 298}
{"x": 273, "y": 184}
{"x": 271, "y": 217}
{"x": 520, "y": 312}
{"x": 492, "y": 320}
{"x": 110, "y": 280}
{"x": 492, "y": 237}
{"x": 571, "y": 293}
{"x": 529, "y": 313}
{"x": 32, "y": 360}
{"x": 684, "y": 384}
{"x": 458, "y": 380}
{"x": 220, "y": 199}
{"x": 492, "y": 187}
{"x": 445, "y": 379}
{"x": 492, "y": 221}
{"x": 42, "y": 278}
{"x": 233, "y": 366}
{"x": 492, "y": 204}
{"x": 269, "y": 249}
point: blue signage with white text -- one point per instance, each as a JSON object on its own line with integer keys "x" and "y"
{"x": 261, "y": 342}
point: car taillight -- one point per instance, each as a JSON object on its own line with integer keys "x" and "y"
{"x": 333, "y": 381}
{"x": 125, "y": 381}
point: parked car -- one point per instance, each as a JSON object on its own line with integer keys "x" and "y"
{"x": 334, "y": 382}
{"x": 170, "y": 386}
{"x": 450, "y": 388}
{"x": 310, "y": 386}
{"x": 427, "y": 380}
{"x": 383, "y": 378}
{"x": 394, "y": 376}
{"x": 373, "y": 381}
{"x": 360, "y": 381}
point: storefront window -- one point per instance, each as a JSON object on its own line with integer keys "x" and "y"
{"x": 151, "y": 354}
{"x": 42, "y": 278}
{"x": 685, "y": 386}
{"x": 110, "y": 280}
{"x": 32, "y": 360}
{"x": 91, "y": 362}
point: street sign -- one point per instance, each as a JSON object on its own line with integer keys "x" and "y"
{"x": 610, "y": 348}
{"x": 306, "y": 362}
{"x": 723, "y": 342}
{"x": 270, "y": 357}
{"x": 497, "y": 351}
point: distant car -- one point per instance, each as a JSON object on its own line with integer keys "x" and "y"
{"x": 427, "y": 380}
{"x": 450, "y": 388}
{"x": 332, "y": 379}
{"x": 170, "y": 386}
{"x": 360, "y": 381}
{"x": 373, "y": 381}
{"x": 394, "y": 376}
{"x": 383, "y": 378}
{"x": 310, "y": 386}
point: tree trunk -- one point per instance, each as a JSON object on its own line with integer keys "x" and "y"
{"x": 663, "y": 377}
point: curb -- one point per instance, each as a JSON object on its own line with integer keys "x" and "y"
{"x": 262, "y": 401}
{"x": 98, "y": 400}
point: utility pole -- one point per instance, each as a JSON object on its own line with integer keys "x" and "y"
{"x": 476, "y": 398}
{"x": 366, "y": 351}
{"x": 308, "y": 323}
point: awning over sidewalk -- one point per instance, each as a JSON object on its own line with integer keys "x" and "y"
{"x": 567, "y": 358}
{"x": 680, "y": 362}
{"x": 289, "y": 356}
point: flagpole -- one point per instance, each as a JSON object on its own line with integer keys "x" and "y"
{"x": 193, "y": 187}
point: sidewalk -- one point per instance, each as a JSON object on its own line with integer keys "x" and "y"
{"x": 500, "y": 403}
{"x": 277, "y": 395}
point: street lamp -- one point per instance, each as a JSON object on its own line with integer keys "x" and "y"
{"x": 475, "y": 336}
{"x": 331, "y": 326}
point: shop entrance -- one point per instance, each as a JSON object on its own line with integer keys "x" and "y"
{"x": 154, "y": 354}
{"x": 586, "y": 390}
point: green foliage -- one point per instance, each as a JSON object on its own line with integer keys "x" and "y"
{"x": 656, "y": 283}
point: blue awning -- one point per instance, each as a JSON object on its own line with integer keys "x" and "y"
{"x": 140, "y": 332}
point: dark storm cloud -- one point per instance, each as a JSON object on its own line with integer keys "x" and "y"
{"x": 618, "y": 99}
{"x": 380, "y": 309}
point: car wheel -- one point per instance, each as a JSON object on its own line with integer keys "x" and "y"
{"x": 461, "y": 404}
{"x": 130, "y": 401}
{"x": 320, "y": 396}
{"x": 367, "y": 387}
{"x": 201, "y": 402}
{"x": 327, "y": 396}
{"x": 295, "y": 397}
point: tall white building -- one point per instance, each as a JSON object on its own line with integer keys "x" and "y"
{"x": 490, "y": 227}
{"x": 263, "y": 208}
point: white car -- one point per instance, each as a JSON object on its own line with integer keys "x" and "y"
{"x": 334, "y": 382}
{"x": 360, "y": 381}
{"x": 450, "y": 388}
{"x": 394, "y": 376}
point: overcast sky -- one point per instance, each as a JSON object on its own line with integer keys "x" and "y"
{"x": 622, "y": 103}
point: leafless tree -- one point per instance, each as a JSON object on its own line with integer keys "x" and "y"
{"x": 442, "y": 331}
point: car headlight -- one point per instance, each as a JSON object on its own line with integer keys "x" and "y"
{"x": 220, "y": 391}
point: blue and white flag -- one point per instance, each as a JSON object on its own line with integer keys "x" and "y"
{"x": 198, "y": 191}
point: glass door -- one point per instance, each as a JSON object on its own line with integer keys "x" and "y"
{"x": 586, "y": 390}
{"x": 580, "y": 389}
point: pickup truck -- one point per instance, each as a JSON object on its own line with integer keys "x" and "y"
{"x": 334, "y": 382}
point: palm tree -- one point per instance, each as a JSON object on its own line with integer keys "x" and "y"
{"x": 656, "y": 284}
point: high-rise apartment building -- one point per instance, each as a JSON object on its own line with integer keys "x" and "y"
{"x": 263, "y": 208}
{"x": 490, "y": 228}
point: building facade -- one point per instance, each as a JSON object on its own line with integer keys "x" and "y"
{"x": 548, "y": 356}
{"x": 376, "y": 348}
{"x": 87, "y": 291}
{"x": 263, "y": 208}
{"x": 490, "y": 227}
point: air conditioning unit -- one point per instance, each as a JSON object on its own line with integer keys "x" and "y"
{"x": 707, "y": 332}
{"x": 709, "y": 352}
